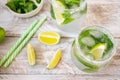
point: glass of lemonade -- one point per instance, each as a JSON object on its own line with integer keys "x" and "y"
{"x": 93, "y": 49}
{"x": 68, "y": 15}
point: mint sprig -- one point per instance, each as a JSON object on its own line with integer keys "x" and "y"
{"x": 21, "y": 6}
{"x": 67, "y": 17}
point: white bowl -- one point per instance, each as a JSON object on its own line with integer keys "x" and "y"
{"x": 31, "y": 13}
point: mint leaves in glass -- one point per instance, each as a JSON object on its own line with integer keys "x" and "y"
{"x": 93, "y": 49}
{"x": 68, "y": 14}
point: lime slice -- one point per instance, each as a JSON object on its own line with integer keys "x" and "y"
{"x": 31, "y": 55}
{"x": 55, "y": 60}
{"x": 58, "y": 8}
{"x": 2, "y": 34}
{"x": 98, "y": 50}
{"x": 82, "y": 60}
{"x": 49, "y": 38}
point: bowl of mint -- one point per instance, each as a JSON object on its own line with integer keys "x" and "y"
{"x": 24, "y": 8}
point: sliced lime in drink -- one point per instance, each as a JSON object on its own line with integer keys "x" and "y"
{"x": 58, "y": 8}
{"x": 89, "y": 70}
{"x": 83, "y": 61}
{"x": 98, "y": 50}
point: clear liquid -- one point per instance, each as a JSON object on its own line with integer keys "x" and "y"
{"x": 91, "y": 38}
{"x": 78, "y": 14}
{"x": 86, "y": 62}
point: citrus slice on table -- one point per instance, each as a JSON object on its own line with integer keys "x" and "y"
{"x": 55, "y": 60}
{"x": 2, "y": 34}
{"x": 49, "y": 38}
{"x": 98, "y": 50}
{"x": 31, "y": 55}
{"x": 58, "y": 8}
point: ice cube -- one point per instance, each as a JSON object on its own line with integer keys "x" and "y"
{"x": 85, "y": 49}
{"x": 90, "y": 57}
{"x": 96, "y": 34}
{"x": 89, "y": 41}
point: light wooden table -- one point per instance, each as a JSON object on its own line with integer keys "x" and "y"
{"x": 100, "y": 12}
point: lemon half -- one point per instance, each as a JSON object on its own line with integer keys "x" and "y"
{"x": 49, "y": 38}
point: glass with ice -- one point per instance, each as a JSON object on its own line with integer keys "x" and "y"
{"x": 93, "y": 49}
{"x": 68, "y": 15}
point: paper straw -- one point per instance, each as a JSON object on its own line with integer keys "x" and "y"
{"x": 18, "y": 43}
{"x": 22, "y": 45}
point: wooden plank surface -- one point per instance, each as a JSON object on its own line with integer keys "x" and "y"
{"x": 58, "y": 77}
{"x": 100, "y": 12}
{"x": 43, "y": 55}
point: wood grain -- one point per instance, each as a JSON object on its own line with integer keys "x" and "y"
{"x": 101, "y": 14}
{"x": 104, "y": 13}
{"x": 43, "y": 56}
{"x": 57, "y": 77}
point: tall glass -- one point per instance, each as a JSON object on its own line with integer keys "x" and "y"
{"x": 68, "y": 15}
{"x": 93, "y": 49}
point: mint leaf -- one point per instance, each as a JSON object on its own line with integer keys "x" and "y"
{"x": 109, "y": 43}
{"x": 29, "y": 6}
{"x": 52, "y": 12}
{"x": 38, "y": 1}
{"x": 67, "y": 17}
{"x": 21, "y": 6}
{"x": 19, "y": 10}
{"x": 68, "y": 20}
{"x": 11, "y": 5}
{"x": 72, "y": 2}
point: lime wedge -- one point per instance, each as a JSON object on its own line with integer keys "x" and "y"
{"x": 58, "y": 8}
{"x": 2, "y": 34}
{"x": 98, "y": 50}
{"x": 31, "y": 55}
{"x": 55, "y": 60}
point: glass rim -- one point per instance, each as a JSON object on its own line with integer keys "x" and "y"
{"x": 104, "y": 30}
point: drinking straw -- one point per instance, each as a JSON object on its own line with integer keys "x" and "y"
{"x": 18, "y": 43}
{"x": 22, "y": 45}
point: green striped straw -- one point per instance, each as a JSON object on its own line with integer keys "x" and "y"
{"x": 18, "y": 43}
{"x": 22, "y": 45}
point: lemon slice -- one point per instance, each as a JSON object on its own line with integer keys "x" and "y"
{"x": 55, "y": 60}
{"x": 98, "y": 50}
{"x": 31, "y": 55}
{"x": 49, "y": 38}
{"x": 58, "y": 8}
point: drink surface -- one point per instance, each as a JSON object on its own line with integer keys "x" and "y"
{"x": 93, "y": 49}
{"x": 95, "y": 44}
{"x": 68, "y": 14}
{"x": 65, "y": 11}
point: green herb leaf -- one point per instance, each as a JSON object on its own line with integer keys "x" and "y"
{"x": 19, "y": 10}
{"x": 21, "y": 6}
{"x": 52, "y": 12}
{"x": 38, "y": 1}
{"x": 67, "y": 17}
{"x": 29, "y": 6}
{"x": 68, "y": 20}
{"x": 72, "y": 2}
{"x": 109, "y": 43}
{"x": 11, "y": 5}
